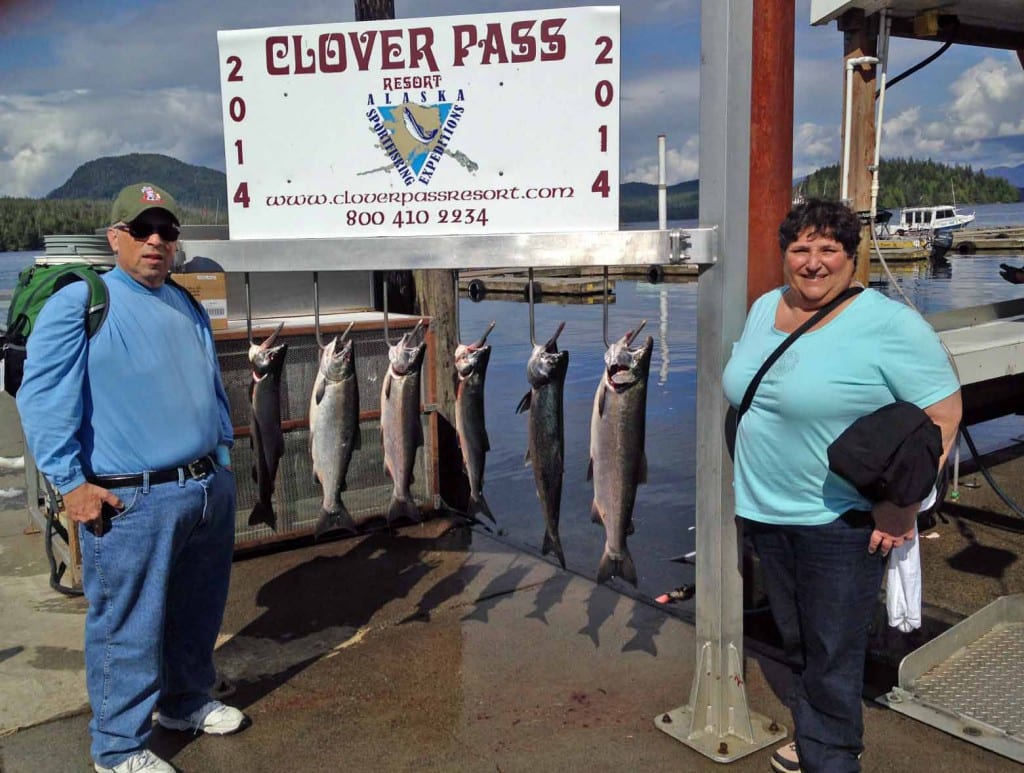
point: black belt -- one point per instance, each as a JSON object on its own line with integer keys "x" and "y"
{"x": 196, "y": 470}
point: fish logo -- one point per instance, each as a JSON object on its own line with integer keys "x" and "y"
{"x": 415, "y": 136}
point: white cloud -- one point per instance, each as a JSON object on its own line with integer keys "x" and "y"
{"x": 680, "y": 164}
{"x": 987, "y": 104}
{"x": 814, "y": 146}
{"x": 44, "y": 138}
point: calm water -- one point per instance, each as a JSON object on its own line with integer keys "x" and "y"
{"x": 664, "y": 509}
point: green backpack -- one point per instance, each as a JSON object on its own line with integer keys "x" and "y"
{"x": 35, "y": 286}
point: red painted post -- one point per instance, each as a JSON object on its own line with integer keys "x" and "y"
{"x": 771, "y": 141}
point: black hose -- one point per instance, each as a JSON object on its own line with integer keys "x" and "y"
{"x": 988, "y": 476}
{"x": 924, "y": 62}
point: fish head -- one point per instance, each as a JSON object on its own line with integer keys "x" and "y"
{"x": 406, "y": 356}
{"x": 626, "y": 365}
{"x": 337, "y": 362}
{"x": 546, "y": 363}
{"x": 473, "y": 358}
{"x": 266, "y": 357}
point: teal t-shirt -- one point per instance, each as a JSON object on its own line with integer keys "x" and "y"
{"x": 876, "y": 351}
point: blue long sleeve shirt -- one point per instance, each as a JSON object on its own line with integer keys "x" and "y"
{"x": 144, "y": 393}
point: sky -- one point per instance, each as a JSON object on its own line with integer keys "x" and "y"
{"x": 83, "y": 79}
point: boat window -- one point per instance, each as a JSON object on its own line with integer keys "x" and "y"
{"x": 945, "y": 213}
{"x": 927, "y": 217}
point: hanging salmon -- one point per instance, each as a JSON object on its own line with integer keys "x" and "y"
{"x": 265, "y": 430}
{"x": 471, "y": 370}
{"x": 401, "y": 430}
{"x": 618, "y": 463}
{"x": 334, "y": 429}
{"x": 545, "y": 370}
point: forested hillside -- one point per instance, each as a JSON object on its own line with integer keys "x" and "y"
{"x": 904, "y": 182}
{"x": 638, "y": 202}
{"x": 103, "y": 178}
{"x": 82, "y": 204}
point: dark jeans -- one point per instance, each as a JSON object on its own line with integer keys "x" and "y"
{"x": 823, "y": 588}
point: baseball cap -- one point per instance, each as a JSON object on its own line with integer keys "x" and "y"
{"x": 135, "y": 199}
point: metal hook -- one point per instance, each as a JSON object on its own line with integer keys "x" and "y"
{"x": 458, "y": 325}
{"x": 529, "y": 296}
{"x": 316, "y": 309}
{"x": 248, "y": 310}
{"x": 604, "y": 312}
{"x": 387, "y": 337}
{"x": 633, "y": 335}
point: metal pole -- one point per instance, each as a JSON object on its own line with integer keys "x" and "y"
{"x": 717, "y": 721}
{"x": 662, "y": 187}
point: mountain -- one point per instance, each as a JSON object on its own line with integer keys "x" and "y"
{"x": 1015, "y": 174}
{"x": 203, "y": 189}
{"x": 101, "y": 179}
{"x": 638, "y": 202}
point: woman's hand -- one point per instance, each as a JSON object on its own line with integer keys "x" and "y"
{"x": 893, "y": 526}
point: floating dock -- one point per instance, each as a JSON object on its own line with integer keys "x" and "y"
{"x": 973, "y": 240}
{"x": 578, "y": 285}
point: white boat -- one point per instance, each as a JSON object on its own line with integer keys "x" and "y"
{"x": 930, "y": 220}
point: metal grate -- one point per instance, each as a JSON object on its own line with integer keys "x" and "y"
{"x": 966, "y": 681}
{"x": 297, "y": 495}
{"x": 982, "y": 682}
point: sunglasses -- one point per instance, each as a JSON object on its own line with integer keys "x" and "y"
{"x": 142, "y": 231}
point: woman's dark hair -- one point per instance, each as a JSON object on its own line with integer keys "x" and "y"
{"x": 827, "y": 218}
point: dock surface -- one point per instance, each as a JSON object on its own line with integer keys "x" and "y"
{"x": 441, "y": 648}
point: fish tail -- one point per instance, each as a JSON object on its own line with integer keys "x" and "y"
{"x": 552, "y": 544}
{"x": 403, "y": 509}
{"x": 617, "y": 567}
{"x": 478, "y": 506}
{"x": 339, "y": 519}
{"x": 263, "y": 513}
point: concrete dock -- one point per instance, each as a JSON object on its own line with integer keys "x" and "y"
{"x": 441, "y": 648}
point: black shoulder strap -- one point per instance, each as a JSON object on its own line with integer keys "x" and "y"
{"x": 195, "y": 304}
{"x": 748, "y": 396}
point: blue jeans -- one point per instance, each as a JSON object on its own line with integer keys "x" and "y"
{"x": 823, "y": 588}
{"x": 157, "y": 583}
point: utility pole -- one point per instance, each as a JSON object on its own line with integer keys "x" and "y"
{"x": 369, "y": 10}
{"x": 860, "y": 39}
{"x": 431, "y": 293}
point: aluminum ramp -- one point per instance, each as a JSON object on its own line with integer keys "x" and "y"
{"x": 967, "y": 682}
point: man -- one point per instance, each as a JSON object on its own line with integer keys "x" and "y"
{"x": 132, "y": 428}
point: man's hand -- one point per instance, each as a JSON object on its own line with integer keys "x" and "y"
{"x": 1011, "y": 274}
{"x": 893, "y": 526}
{"x": 85, "y": 504}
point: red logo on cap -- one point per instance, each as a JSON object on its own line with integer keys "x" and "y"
{"x": 148, "y": 194}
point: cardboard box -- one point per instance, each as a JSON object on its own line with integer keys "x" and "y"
{"x": 210, "y": 289}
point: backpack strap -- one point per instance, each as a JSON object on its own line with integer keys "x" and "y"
{"x": 98, "y": 302}
{"x": 195, "y": 304}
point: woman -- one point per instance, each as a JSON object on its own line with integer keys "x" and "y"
{"x": 822, "y": 546}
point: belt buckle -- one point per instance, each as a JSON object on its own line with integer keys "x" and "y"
{"x": 197, "y": 469}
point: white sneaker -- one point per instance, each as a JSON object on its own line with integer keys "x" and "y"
{"x": 139, "y": 763}
{"x": 215, "y": 718}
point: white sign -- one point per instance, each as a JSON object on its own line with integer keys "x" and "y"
{"x": 502, "y": 123}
